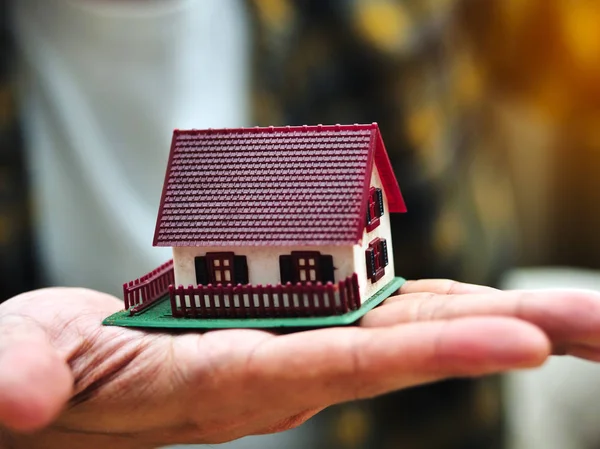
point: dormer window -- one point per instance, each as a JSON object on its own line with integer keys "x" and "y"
{"x": 374, "y": 208}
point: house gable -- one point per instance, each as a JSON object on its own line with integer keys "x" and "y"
{"x": 369, "y": 285}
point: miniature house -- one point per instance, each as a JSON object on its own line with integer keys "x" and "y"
{"x": 271, "y": 223}
{"x": 266, "y": 208}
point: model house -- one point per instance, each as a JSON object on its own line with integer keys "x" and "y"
{"x": 286, "y": 221}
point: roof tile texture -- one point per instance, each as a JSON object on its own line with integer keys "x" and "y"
{"x": 266, "y": 186}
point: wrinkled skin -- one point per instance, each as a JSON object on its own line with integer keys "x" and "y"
{"x": 68, "y": 381}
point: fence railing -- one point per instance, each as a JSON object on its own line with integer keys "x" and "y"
{"x": 257, "y": 301}
{"x": 147, "y": 290}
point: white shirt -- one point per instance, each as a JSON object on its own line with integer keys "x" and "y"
{"x": 107, "y": 82}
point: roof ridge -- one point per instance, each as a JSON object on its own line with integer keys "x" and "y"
{"x": 272, "y": 129}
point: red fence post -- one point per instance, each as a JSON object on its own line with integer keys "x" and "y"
{"x": 263, "y": 306}
{"x": 257, "y": 290}
{"x": 235, "y": 311}
{"x": 348, "y": 286}
{"x": 212, "y": 305}
{"x": 181, "y": 292}
{"x": 273, "y": 309}
{"x": 241, "y": 293}
{"x": 174, "y": 309}
{"x": 217, "y": 291}
{"x": 310, "y": 298}
{"x": 289, "y": 293}
{"x": 297, "y": 293}
{"x": 134, "y": 293}
{"x": 236, "y": 292}
{"x": 304, "y": 298}
{"x": 330, "y": 296}
{"x": 289, "y": 310}
{"x": 356, "y": 290}
{"x": 342, "y": 293}
{"x": 202, "y": 305}
{"x": 348, "y": 289}
{"x": 126, "y": 296}
{"x": 320, "y": 301}
{"x": 344, "y": 307}
{"x": 137, "y": 294}
{"x": 192, "y": 294}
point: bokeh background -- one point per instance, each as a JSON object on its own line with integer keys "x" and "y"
{"x": 490, "y": 111}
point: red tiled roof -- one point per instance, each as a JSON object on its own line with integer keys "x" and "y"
{"x": 304, "y": 185}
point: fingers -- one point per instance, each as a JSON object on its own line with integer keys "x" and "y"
{"x": 442, "y": 287}
{"x": 323, "y": 367}
{"x": 568, "y": 317}
{"x": 34, "y": 382}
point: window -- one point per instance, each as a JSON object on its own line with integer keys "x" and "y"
{"x": 221, "y": 268}
{"x": 376, "y": 259}
{"x": 304, "y": 267}
{"x": 374, "y": 208}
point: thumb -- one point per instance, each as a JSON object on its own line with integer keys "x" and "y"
{"x": 35, "y": 383}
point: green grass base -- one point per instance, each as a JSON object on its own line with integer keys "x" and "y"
{"x": 159, "y": 316}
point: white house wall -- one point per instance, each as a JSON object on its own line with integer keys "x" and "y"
{"x": 263, "y": 261}
{"x": 383, "y": 231}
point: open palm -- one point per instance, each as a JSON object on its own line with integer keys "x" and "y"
{"x": 68, "y": 381}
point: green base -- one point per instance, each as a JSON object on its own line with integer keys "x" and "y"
{"x": 159, "y": 316}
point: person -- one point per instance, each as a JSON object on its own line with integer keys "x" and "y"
{"x": 66, "y": 381}
{"x": 107, "y": 81}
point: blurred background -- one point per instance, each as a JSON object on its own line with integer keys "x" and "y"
{"x": 490, "y": 111}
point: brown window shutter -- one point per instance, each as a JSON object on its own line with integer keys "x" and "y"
{"x": 384, "y": 252}
{"x": 379, "y": 202}
{"x": 240, "y": 270}
{"x": 326, "y": 269}
{"x": 370, "y": 259}
{"x": 201, "y": 270}
{"x": 286, "y": 269}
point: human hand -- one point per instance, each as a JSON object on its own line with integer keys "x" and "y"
{"x": 68, "y": 381}
{"x": 569, "y": 318}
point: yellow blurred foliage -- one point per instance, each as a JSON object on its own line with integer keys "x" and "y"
{"x": 275, "y": 13}
{"x": 384, "y": 23}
